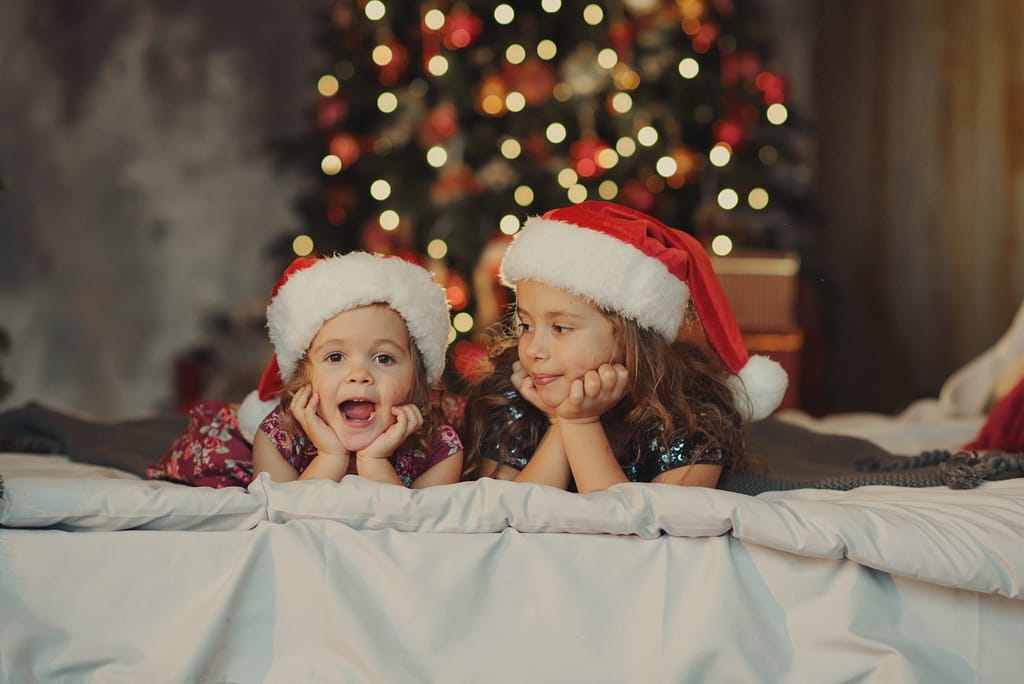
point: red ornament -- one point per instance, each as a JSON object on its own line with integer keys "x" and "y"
{"x": 772, "y": 85}
{"x": 461, "y": 28}
{"x": 392, "y": 72}
{"x": 620, "y": 37}
{"x": 584, "y": 155}
{"x": 331, "y": 112}
{"x": 440, "y": 124}
{"x": 533, "y": 78}
{"x": 345, "y": 147}
{"x": 729, "y": 131}
{"x": 635, "y": 194}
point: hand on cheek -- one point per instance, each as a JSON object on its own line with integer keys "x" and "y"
{"x": 523, "y": 384}
{"x": 594, "y": 394}
{"x": 322, "y": 430}
{"x": 408, "y": 419}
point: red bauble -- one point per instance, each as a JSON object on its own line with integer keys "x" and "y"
{"x": 584, "y": 152}
{"x": 533, "y": 78}
{"x": 620, "y": 37}
{"x": 461, "y": 28}
{"x": 345, "y": 147}
{"x": 728, "y": 131}
{"x": 440, "y": 124}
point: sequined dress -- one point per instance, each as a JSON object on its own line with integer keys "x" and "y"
{"x": 642, "y": 461}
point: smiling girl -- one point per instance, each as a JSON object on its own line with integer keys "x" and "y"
{"x": 359, "y": 342}
{"x": 590, "y": 386}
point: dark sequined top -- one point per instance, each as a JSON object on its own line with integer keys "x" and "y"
{"x": 640, "y": 464}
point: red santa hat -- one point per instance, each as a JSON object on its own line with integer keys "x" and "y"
{"x": 625, "y": 261}
{"x": 311, "y": 291}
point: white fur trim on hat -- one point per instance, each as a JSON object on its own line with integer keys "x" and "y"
{"x": 759, "y": 387}
{"x": 251, "y": 413}
{"x": 342, "y": 282}
{"x": 612, "y": 274}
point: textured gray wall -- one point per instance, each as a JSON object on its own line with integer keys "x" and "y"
{"x": 140, "y": 194}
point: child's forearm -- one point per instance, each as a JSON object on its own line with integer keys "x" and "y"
{"x": 377, "y": 469}
{"x": 547, "y": 465}
{"x": 590, "y": 456}
{"x": 326, "y": 466}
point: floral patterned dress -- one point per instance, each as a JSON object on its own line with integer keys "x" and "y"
{"x": 213, "y": 452}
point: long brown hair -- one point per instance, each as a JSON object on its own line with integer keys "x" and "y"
{"x": 676, "y": 389}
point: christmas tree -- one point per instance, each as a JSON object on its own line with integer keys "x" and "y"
{"x": 441, "y": 126}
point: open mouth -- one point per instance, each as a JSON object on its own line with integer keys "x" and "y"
{"x": 358, "y": 411}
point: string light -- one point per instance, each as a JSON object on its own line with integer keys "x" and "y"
{"x": 728, "y": 198}
{"x": 380, "y": 189}
{"x": 621, "y": 103}
{"x": 546, "y": 49}
{"x": 387, "y": 102}
{"x": 608, "y": 190}
{"x": 331, "y": 164}
{"x": 607, "y": 158}
{"x": 777, "y": 113}
{"x": 757, "y": 198}
{"x": 510, "y": 148}
{"x": 688, "y": 67}
{"x": 721, "y": 245}
{"x": 515, "y": 101}
{"x": 302, "y": 245}
{"x": 607, "y": 58}
{"x": 504, "y": 14}
{"x": 647, "y": 136}
{"x": 389, "y": 219}
{"x": 462, "y": 322}
{"x": 437, "y": 248}
{"x": 515, "y": 54}
{"x": 577, "y": 194}
{"x": 666, "y": 166}
{"x": 568, "y": 178}
{"x": 626, "y": 147}
{"x": 327, "y": 85}
{"x": 375, "y": 10}
{"x": 523, "y": 195}
{"x": 437, "y": 156}
{"x": 720, "y": 154}
{"x": 509, "y": 224}
{"x": 382, "y": 55}
{"x": 434, "y": 19}
{"x": 551, "y": 6}
{"x": 555, "y": 132}
{"x": 593, "y": 14}
{"x": 438, "y": 65}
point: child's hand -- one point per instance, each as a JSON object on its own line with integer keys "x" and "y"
{"x": 594, "y": 393}
{"x": 523, "y": 384}
{"x": 408, "y": 420}
{"x": 319, "y": 428}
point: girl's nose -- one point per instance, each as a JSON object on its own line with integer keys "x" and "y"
{"x": 358, "y": 375}
{"x": 535, "y": 348}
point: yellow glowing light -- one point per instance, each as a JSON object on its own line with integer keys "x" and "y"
{"x": 666, "y": 166}
{"x": 562, "y": 92}
{"x": 568, "y": 178}
{"x": 688, "y": 67}
{"x": 327, "y": 85}
{"x": 721, "y": 245}
{"x": 331, "y": 164}
{"x": 492, "y": 104}
{"x": 593, "y": 14}
{"x": 302, "y": 245}
{"x": 437, "y": 156}
{"x": 387, "y": 102}
{"x": 375, "y": 10}
{"x": 607, "y": 58}
{"x": 607, "y": 158}
{"x": 768, "y": 155}
{"x": 434, "y": 19}
{"x": 437, "y": 248}
{"x": 647, "y": 136}
{"x": 622, "y": 102}
{"x": 509, "y": 224}
{"x": 777, "y": 113}
{"x": 504, "y": 14}
{"x": 720, "y": 154}
{"x": 463, "y": 322}
{"x": 555, "y": 132}
{"x": 510, "y": 148}
{"x": 728, "y": 198}
{"x": 380, "y": 189}
{"x": 577, "y": 194}
{"x": 389, "y": 219}
{"x": 608, "y": 190}
{"x": 626, "y": 147}
{"x": 515, "y": 53}
{"x": 546, "y": 49}
{"x": 452, "y": 334}
{"x": 757, "y": 198}
{"x": 515, "y": 101}
{"x": 551, "y": 6}
{"x": 381, "y": 55}
{"x": 438, "y": 65}
{"x": 523, "y": 195}
{"x": 626, "y": 78}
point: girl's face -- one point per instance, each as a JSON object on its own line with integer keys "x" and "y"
{"x": 361, "y": 362}
{"x": 563, "y": 337}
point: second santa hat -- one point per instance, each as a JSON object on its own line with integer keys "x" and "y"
{"x": 625, "y": 261}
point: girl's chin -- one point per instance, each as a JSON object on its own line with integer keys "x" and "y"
{"x": 358, "y": 440}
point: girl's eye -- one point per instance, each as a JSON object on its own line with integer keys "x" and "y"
{"x": 335, "y": 357}
{"x": 524, "y": 327}
{"x": 561, "y": 329}
{"x": 384, "y": 359}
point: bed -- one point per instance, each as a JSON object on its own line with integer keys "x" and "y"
{"x": 106, "y": 577}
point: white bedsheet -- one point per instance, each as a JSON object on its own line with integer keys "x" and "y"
{"x": 502, "y": 582}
